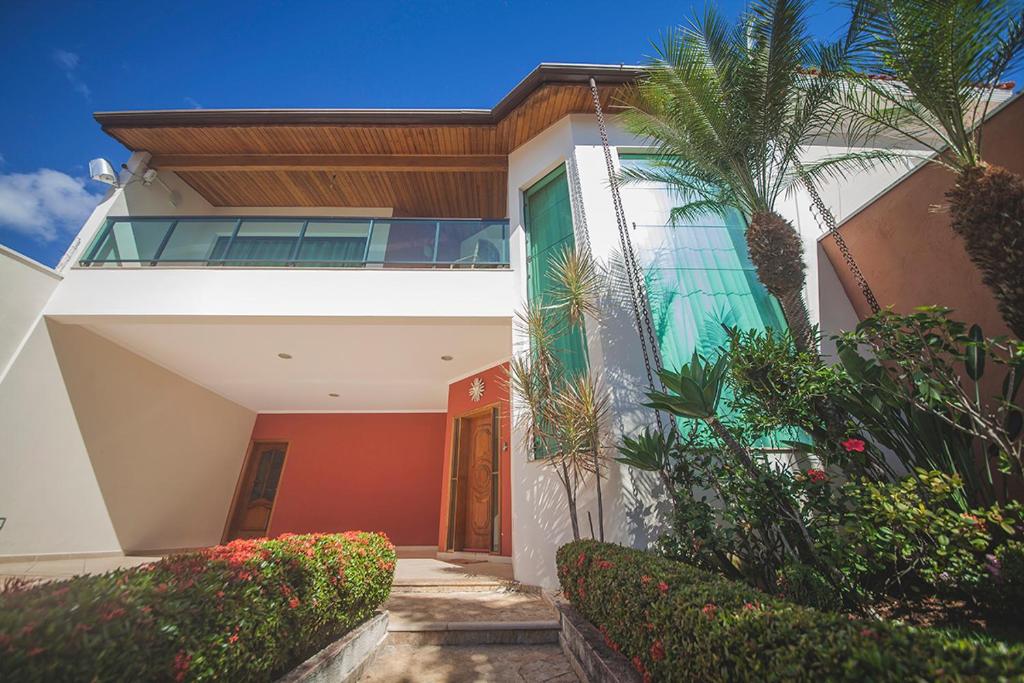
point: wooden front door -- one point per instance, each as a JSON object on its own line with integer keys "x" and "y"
{"x": 255, "y": 499}
{"x": 473, "y": 502}
{"x": 480, "y": 437}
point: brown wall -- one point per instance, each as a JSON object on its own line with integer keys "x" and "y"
{"x": 907, "y": 250}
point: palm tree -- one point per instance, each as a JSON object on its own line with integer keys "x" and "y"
{"x": 730, "y": 107}
{"x": 940, "y": 62}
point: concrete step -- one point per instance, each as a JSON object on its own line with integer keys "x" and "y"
{"x": 474, "y": 633}
{"x": 464, "y": 586}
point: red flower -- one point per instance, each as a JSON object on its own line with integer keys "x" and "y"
{"x": 853, "y": 444}
{"x": 580, "y": 560}
{"x": 657, "y": 651}
{"x": 663, "y": 587}
{"x": 293, "y": 603}
{"x": 645, "y": 579}
{"x": 709, "y": 610}
{"x": 233, "y": 638}
{"x": 816, "y": 476}
{"x": 36, "y": 651}
{"x": 182, "y": 661}
{"x": 604, "y": 564}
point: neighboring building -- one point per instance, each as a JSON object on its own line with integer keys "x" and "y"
{"x": 303, "y": 322}
{"x": 906, "y": 247}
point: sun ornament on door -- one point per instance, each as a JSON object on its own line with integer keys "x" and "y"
{"x": 476, "y": 390}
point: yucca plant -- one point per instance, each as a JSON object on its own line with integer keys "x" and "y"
{"x": 940, "y": 62}
{"x": 730, "y": 108}
{"x": 563, "y": 410}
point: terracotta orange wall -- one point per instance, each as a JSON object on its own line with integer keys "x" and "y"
{"x": 910, "y": 255}
{"x": 495, "y": 392}
{"x": 374, "y": 472}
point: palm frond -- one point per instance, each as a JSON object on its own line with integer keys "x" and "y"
{"x": 946, "y": 58}
{"x": 577, "y": 283}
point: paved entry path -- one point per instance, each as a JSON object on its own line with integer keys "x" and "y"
{"x": 454, "y": 621}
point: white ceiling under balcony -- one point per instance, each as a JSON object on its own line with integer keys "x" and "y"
{"x": 372, "y": 364}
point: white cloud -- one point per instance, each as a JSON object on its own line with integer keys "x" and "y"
{"x": 192, "y": 103}
{"x": 45, "y": 204}
{"x": 68, "y": 63}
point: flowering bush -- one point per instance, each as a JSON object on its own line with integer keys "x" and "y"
{"x": 248, "y": 610}
{"x": 679, "y": 623}
{"x": 912, "y": 536}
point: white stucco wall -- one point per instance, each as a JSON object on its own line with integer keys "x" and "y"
{"x": 25, "y": 287}
{"x": 48, "y": 489}
{"x": 106, "y": 451}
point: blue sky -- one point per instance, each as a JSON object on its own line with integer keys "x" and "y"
{"x": 61, "y": 61}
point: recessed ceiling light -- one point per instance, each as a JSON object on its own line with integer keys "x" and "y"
{"x": 447, "y": 358}
{"x": 286, "y": 356}
{"x": 333, "y": 395}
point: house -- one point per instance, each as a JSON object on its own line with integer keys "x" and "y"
{"x": 302, "y": 321}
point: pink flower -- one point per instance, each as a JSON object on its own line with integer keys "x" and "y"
{"x": 663, "y": 587}
{"x": 853, "y": 444}
{"x": 645, "y": 579}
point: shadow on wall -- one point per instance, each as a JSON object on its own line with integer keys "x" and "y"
{"x": 644, "y": 504}
{"x": 166, "y": 452}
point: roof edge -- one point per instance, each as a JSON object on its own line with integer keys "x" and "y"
{"x": 544, "y": 74}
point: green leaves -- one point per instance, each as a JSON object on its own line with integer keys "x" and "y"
{"x": 650, "y": 451}
{"x": 696, "y": 388}
{"x": 974, "y": 360}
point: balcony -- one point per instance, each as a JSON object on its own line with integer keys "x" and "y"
{"x": 277, "y": 242}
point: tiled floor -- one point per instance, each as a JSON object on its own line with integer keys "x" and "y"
{"x": 424, "y": 571}
{"x": 55, "y": 569}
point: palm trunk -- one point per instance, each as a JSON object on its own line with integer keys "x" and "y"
{"x": 600, "y": 501}
{"x": 570, "y": 496}
{"x": 778, "y": 254}
{"x": 987, "y": 211}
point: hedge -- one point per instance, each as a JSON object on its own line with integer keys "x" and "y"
{"x": 679, "y": 623}
{"x": 248, "y": 610}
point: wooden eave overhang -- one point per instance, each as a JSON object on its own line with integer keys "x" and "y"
{"x": 420, "y": 162}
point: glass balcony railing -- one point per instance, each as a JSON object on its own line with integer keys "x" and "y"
{"x": 248, "y": 242}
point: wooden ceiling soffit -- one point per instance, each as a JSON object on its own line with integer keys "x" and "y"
{"x": 394, "y": 163}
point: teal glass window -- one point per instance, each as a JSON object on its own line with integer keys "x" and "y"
{"x": 549, "y": 230}
{"x": 698, "y": 277}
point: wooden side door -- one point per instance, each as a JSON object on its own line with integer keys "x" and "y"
{"x": 255, "y": 500}
{"x": 477, "y": 530}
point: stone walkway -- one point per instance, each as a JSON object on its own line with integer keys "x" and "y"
{"x": 458, "y": 663}
{"x": 467, "y": 621}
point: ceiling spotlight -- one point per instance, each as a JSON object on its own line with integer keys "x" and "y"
{"x": 447, "y": 358}
{"x": 286, "y": 356}
{"x": 333, "y": 395}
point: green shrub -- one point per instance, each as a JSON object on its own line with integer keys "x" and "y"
{"x": 806, "y": 586}
{"x": 1003, "y": 592}
{"x": 679, "y": 623}
{"x": 248, "y": 610}
{"x": 911, "y": 535}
